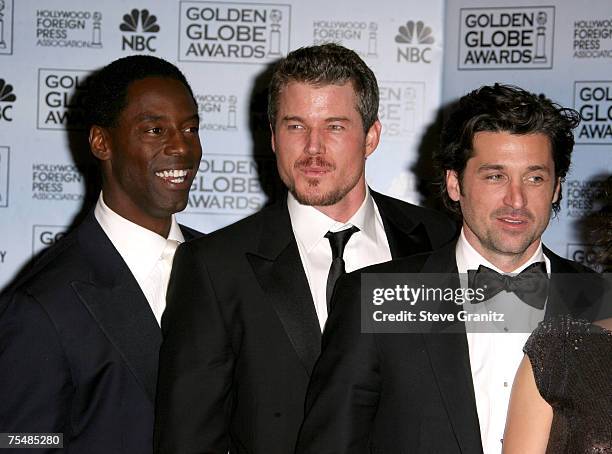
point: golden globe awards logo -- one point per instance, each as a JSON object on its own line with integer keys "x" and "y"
{"x": 140, "y": 28}
{"x": 217, "y": 111}
{"x": 585, "y": 254}
{"x": 593, "y": 99}
{"x": 401, "y": 108}
{"x": 69, "y": 29}
{"x": 61, "y": 95}
{"x": 4, "y": 176}
{"x": 506, "y": 38}
{"x": 414, "y": 41}
{"x": 233, "y": 32}
{"x": 231, "y": 184}
{"x": 361, "y": 36}
{"x": 56, "y": 182}
{"x": 6, "y": 27}
{"x": 7, "y": 98}
{"x": 44, "y": 236}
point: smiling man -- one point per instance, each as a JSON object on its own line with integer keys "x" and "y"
{"x": 80, "y": 334}
{"x": 504, "y": 154}
{"x": 246, "y": 305}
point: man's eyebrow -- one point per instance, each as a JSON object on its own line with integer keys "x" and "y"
{"x": 149, "y": 117}
{"x": 291, "y": 118}
{"x": 328, "y": 120}
{"x": 486, "y": 167}
{"x": 153, "y": 117}
{"x": 537, "y": 167}
{"x": 532, "y": 168}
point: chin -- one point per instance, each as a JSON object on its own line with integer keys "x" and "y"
{"x": 313, "y": 198}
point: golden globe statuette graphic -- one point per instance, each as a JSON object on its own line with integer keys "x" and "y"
{"x": 275, "y": 36}
{"x": 372, "y": 40}
{"x": 540, "y": 56}
{"x": 410, "y": 110}
{"x": 96, "y": 39}
{"x": 231, "y": 113}
{"x": 2, "y": 42}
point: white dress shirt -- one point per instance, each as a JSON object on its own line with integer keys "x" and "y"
{"x": 366, "y": 247}
{"x": 141, "y": 249}
{"x": 494, "y": 356}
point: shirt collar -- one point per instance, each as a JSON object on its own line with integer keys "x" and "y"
{"x": 310, "y": 225}
{"x": 469, "y": 258}
{"x": 139, "y": 247}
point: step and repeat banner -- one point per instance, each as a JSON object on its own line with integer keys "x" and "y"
{"x": 564, "y": 50}
{"x": 226, "y": 49}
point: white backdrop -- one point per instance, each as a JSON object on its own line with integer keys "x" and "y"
{"x": 564, "y": 50}
{"x": 415, "y": 48}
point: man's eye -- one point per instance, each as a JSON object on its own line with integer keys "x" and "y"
{"x": 193, "y": 129}
{"x": 336, "y": 127}
{"x": 294, "y": 127}
{"x": 535, "y": 179}
{"x": 495, "y": 177}
{"x": 155, "y": 130}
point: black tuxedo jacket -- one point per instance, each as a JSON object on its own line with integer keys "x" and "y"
{"x": 408, "y": 393}
{"x": 241, "y": 334}
{"x": 79, "y": 349}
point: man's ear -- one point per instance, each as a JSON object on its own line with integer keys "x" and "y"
{"x": 453, "y": 186}
{"x": 272, "y": 138}
{"x": 373, "y": 137}
{"x": 99, "y": 143}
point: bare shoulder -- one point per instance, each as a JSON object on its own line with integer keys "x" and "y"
{"x": 606, "y": 323}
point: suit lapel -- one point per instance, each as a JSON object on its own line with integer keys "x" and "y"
{"x": 278, "y": 268}
{"x": 405, "y": 237}
{"x": 118, "y": 305}
{"x": 449, "y": 356}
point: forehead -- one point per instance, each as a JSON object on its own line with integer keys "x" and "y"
{"x": 303, "y": 94}
{"x": 156, "y": 93}
{"x": 511, "y": 150}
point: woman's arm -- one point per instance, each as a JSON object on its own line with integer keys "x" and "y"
{"x": 529, "y": 415}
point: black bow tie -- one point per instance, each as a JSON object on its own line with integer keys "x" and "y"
{"x": 530, "y": 285}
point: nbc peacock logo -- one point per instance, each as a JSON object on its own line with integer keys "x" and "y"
{"x": 139, "y": 27}
{"x": 413, "y": 39}
{"x": 7, "y": 98}
{"x": 414, "y": 33}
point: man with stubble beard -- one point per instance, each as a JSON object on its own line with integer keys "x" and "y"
{"x": 247, "y": 304}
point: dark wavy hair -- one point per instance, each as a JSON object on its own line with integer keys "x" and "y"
{"x": 507, "y": 108}
{"x": 326, "y": 64}
{"x": 108, "y": 87}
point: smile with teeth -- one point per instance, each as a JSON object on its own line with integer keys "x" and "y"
{"x": 173, "y": 176}
{"x": 512, "y": 221}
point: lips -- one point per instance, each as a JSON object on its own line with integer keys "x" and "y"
{"x": 511, "y": 221}
{"x": 314, "y": 166}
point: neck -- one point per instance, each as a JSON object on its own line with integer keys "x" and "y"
{"x": 159, "y": 225}
{"x": 344, "y": 210}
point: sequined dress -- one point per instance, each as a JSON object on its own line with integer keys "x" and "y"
{"x": 572, "y": 365}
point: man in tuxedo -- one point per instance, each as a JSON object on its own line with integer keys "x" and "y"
{"x": 246, "y": 304}
{"x": 504, "y": 154}
{"x": 79, "y": 334}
